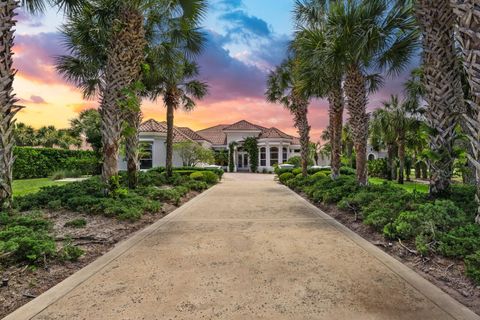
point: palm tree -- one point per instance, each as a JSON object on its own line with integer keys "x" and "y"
{"x": 282, "y": 88}
{"x": 175, "y": 83}
{"x": 24, "y": 135}
{"x": 8, "y": 102}
{"x": 318, "y": 77}
{"x": 383, "y": 134}
{"x": 468, "y": 19}
{"x": 364, "y": 36}
{"x": 88, "y": 124}
{"x": 443, "y": 89}
{"x": 164, "y": 25}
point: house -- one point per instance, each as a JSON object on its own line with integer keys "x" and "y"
{"x": 275, "y": 146}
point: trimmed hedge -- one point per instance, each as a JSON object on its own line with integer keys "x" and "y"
{"x": 31, "y": 163}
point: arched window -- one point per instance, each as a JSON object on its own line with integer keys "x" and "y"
{"x": 273, "y": 156}
{"x": 371, "y": 157}
{"x": 263, "y": 157}
{"x": 285, "y": 154}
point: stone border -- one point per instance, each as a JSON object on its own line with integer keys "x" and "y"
{"x": 441, "y": 299}
{"x": 43, "y": 301}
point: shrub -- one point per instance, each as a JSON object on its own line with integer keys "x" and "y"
{"x": 297, "y": 161}
{"x": 70, "y": 252}
{"x": 26, "y": 237}
{"x": 155, "y": 177}
{"x": 348, "y": 171}
{"x": 378, "y": 168}
{"x": 296, "y": 171}
{"x": 210, "y": 177}
{"x": 76, "y": 223}
{"x": 198, "y": 176}
{"x": 472, "y": 264}
{"x": 284, "y": 177}
{"x": 43, "y": 162}
{"x": 319, "y": 174}
{"x": 279, "y": 171}
{"x": 62, "y": 174}
{"x": 460, "y": 241}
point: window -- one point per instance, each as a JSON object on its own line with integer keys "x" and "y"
{"x": 263, "y": 157}
{"x": 285, "y": 155}
{"x": 273, "y": 156}
{"x": 146, "y": 155}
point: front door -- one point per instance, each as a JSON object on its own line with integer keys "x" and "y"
{"x": 242, "y": 162}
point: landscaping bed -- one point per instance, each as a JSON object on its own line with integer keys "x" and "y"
{"x": 61, "y": 229}
{"x": 436, "y": 238}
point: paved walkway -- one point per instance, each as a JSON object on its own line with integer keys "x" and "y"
{"x": 248, "y": 248}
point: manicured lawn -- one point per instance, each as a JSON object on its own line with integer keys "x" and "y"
{"x": 23, "y": 187}
{"x": 409, "y": 186}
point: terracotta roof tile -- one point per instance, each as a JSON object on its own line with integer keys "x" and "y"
{"x": 215, "y": 134}
{"x": 244, "y": 125}
{"x": 191, "y": 134}
{"x": 161, "y": 127}
{"x": 274, "y": 133}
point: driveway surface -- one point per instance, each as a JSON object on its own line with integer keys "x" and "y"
{"x": 248, "y": 248}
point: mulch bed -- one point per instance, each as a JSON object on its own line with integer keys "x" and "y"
{"x": 98, "y": 237}
{"x": 446, "y": 273}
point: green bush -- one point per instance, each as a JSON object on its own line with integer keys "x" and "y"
{"x": 279, "y": 171}
{"x": 460, "y": 241}
{"x": 210, "y": 177}
{"x": 198, "y": 176}
{"x": 284, "y": 177}
{"x": 33, "y": 163}
{"x": 62, "y": 174}
{"x": 378, "y": 168}
{"x": 296, "y": 171}
{"x": 297, "y": 161}
{"x": 70, "y": 252}
{"x": 348, "y": 171}
{"x": 26, "y": 237}
{"x": 472, "y": 264}
{"x": 76, "y": 223}
{"x": 319, "y": 174}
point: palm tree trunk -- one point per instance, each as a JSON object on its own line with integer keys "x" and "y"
{"x": 336, "y": 106}
{"x": 468, "y": 14}
{"x": 301, "y": 123}
{"x": 123, "y": 69}
{"x": 401, "y": 157}
{"x": 8, "y": 107}
{"x": 355, "y": 89}
{"x": 390, "y": 166}
{"x": 134, "y": 119}
{"x": 442, "y": 82}
{"x": 171, "y": 101}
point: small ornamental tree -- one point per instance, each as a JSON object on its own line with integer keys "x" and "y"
{"x": 251, "y": 146}
{"x": 193, "y": 153}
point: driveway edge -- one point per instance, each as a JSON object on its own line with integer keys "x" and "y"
{"x": 40, "y": 303}
{"x": 441, "y": 299}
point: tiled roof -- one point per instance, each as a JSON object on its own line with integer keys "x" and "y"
{"x": 244, "y": 125}
{"x": 191, "y": 134}
{"x": 215, "y": 134}
{"x": 274, "y": 133}
{"x": 296, "y": 141}
{"x": 161, "y": 127}
{"x": 152, "y": 126}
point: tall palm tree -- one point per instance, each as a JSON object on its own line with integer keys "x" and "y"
{"x": 443, "y": 89}
{"x": 8, "y": 102}
{"x": 322, "y": 79}
{"x": 24, "y": 135}
{"x": 107, "y": 43}
{"x": 90, "y": 35}
{"x": 383, "y": 134}
{"x": 364, "y": 37}
{"x": 174, "y": 82}
{"x": 282, "y": 88}
{"x": 468, "y": 19}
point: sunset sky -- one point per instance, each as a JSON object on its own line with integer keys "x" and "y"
{"x": 246, "y": 39}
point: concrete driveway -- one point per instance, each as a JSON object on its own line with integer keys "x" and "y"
{"x": 248, "y": 248}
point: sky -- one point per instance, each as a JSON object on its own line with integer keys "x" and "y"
{"x": 246, "y": 39}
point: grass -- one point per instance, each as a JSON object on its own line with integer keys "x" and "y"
{"x": 27, "y": 186}
{"x": 408, "y": 185}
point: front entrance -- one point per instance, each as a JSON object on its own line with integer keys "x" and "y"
{"x": 242, "y": 162}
